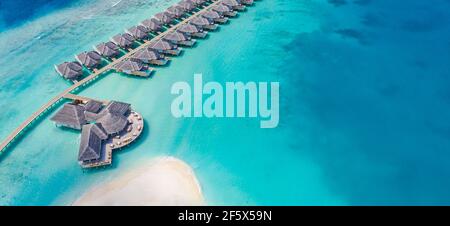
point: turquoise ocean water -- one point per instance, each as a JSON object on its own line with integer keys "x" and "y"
{"x": 364, "y": 102}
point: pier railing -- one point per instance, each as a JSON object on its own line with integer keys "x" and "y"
{"x": 54, "y": 102}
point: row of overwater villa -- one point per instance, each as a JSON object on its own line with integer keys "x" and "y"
{"x": 111, "y": 125}
{"x": 157, "y": 48}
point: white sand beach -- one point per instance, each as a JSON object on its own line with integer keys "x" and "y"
{"x": 162, "y": 181}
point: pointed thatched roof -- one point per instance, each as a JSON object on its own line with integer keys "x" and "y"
{"x": 175, "y": 11}
{"x": 92, "y": 137}
{"x": 138, "y": 32}
{"x": 187, "y": 5}
{"x": 230, "y": 3}
{"x": 161, "y": 45}
{"x": 147, "y": 55}
{"x": 188, "y": 28}
{"x": 200, "y": 21}
{"x": 152, "y": 24}
{"x": 175, "y": 36}
{"x": 129, "y": 65}
{"x": 123, "y": 40}
{"x": 211, "y": 15}
{"x": 164, "y": 17}
{"x": 107, "y": 49}
{"x": 70, "y": 115}
{"x": 113, "y": 123}
{"x": 221, "y": 8}
{"x": 69, "y": 70}
{"x": 89, "y": 59}
{"x": 117, "y": 107}
{"x": 198, "y": 2}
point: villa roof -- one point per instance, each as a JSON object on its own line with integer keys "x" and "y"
{"x": 113, "y": 123}
{"x": 139, "y": 32}
{"x": 89, "y": 59}
{"x": 211, "y": 14}
{"x": 175, "y": 11}
{"x": 146, "y": 55}
{"x": 187, "y": 5}
{"x": 123, "y": 40}
{"x": 188, "y": 28}
{"x": 107, "y": 49}
{"x": 70, "y": 115}
{"x": 221, "y": 8}
{"x": 92, "y": 136}
{"x": 164, "y": 17}
{"x": 70, "y": 70}
{"x": 200, "y": 21}
{"x": 230, "y": 3}
{"x": 151, "y": 24}
{"x": 161, "y": 45}
{"x": 129, "y": 65}
{"x": 198, "y": 2}
{"x": 175, "y": 36}
{"x": 93, "y": 106}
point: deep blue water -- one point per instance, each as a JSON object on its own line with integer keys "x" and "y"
{"x": 16, "y": 12}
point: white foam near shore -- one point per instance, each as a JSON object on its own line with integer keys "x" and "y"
{"x": 162, "y": 181}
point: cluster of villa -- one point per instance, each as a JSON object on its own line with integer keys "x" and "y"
{"x": 104, "y": 127}
{"x": 149, "y": 32}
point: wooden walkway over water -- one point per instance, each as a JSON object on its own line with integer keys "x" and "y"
{"x": 66, "y": 93}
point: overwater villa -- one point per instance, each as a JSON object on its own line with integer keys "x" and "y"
{"x": 203, "y": 23}
{"x": 165, "y": 47}
{"x": 149, "y": 56}
{"x": 133, "y": 67}
{"x": 89, "y": 59}
{"x": 152, "y": 25}
{"x": 179, "y": 38}
{"x": 234, "y": 4}
{"x": 187, "y": 5}
{"x": 70, "y": 70}
{"x": 198, "y": 3}
{"x": 214, "y": 16}
{"x": 176, "y": 11}
{"x": 107, "y": 49}
{"x": 224, "y": 10}
{"x": 247, "y": 2}
{"x": 124, "y": 41}
{"x": 191, "y": 30}
{"x": 164, "y": 18}
{"x": 138, "y": 32}
{"x": 113, "y": 127}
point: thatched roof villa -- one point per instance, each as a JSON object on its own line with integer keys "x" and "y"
{"x": 233, "y": 4}
{"x": 214, "y": 16}
{"x": 176, "y": 11}
{"x": 133, "y": 67}
{"x": 187, "y": 5}
{"x": 89, "y": 59}
{"x": 124, "y": 41}
{"x": 164, "y": 18}
{"x": 71, "y": 116}
{"x": 150, "y": 57}
{"x": 224, "y": 10}
{"x": 138, "y": 32}
{"x": 165, "y": 47}
{"x": 179, "y": 38}
{"x": 152, "y": 24}
{"x": 192, "y": 30}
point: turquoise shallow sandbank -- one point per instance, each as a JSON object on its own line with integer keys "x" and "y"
{"x": 364, "y": 103}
